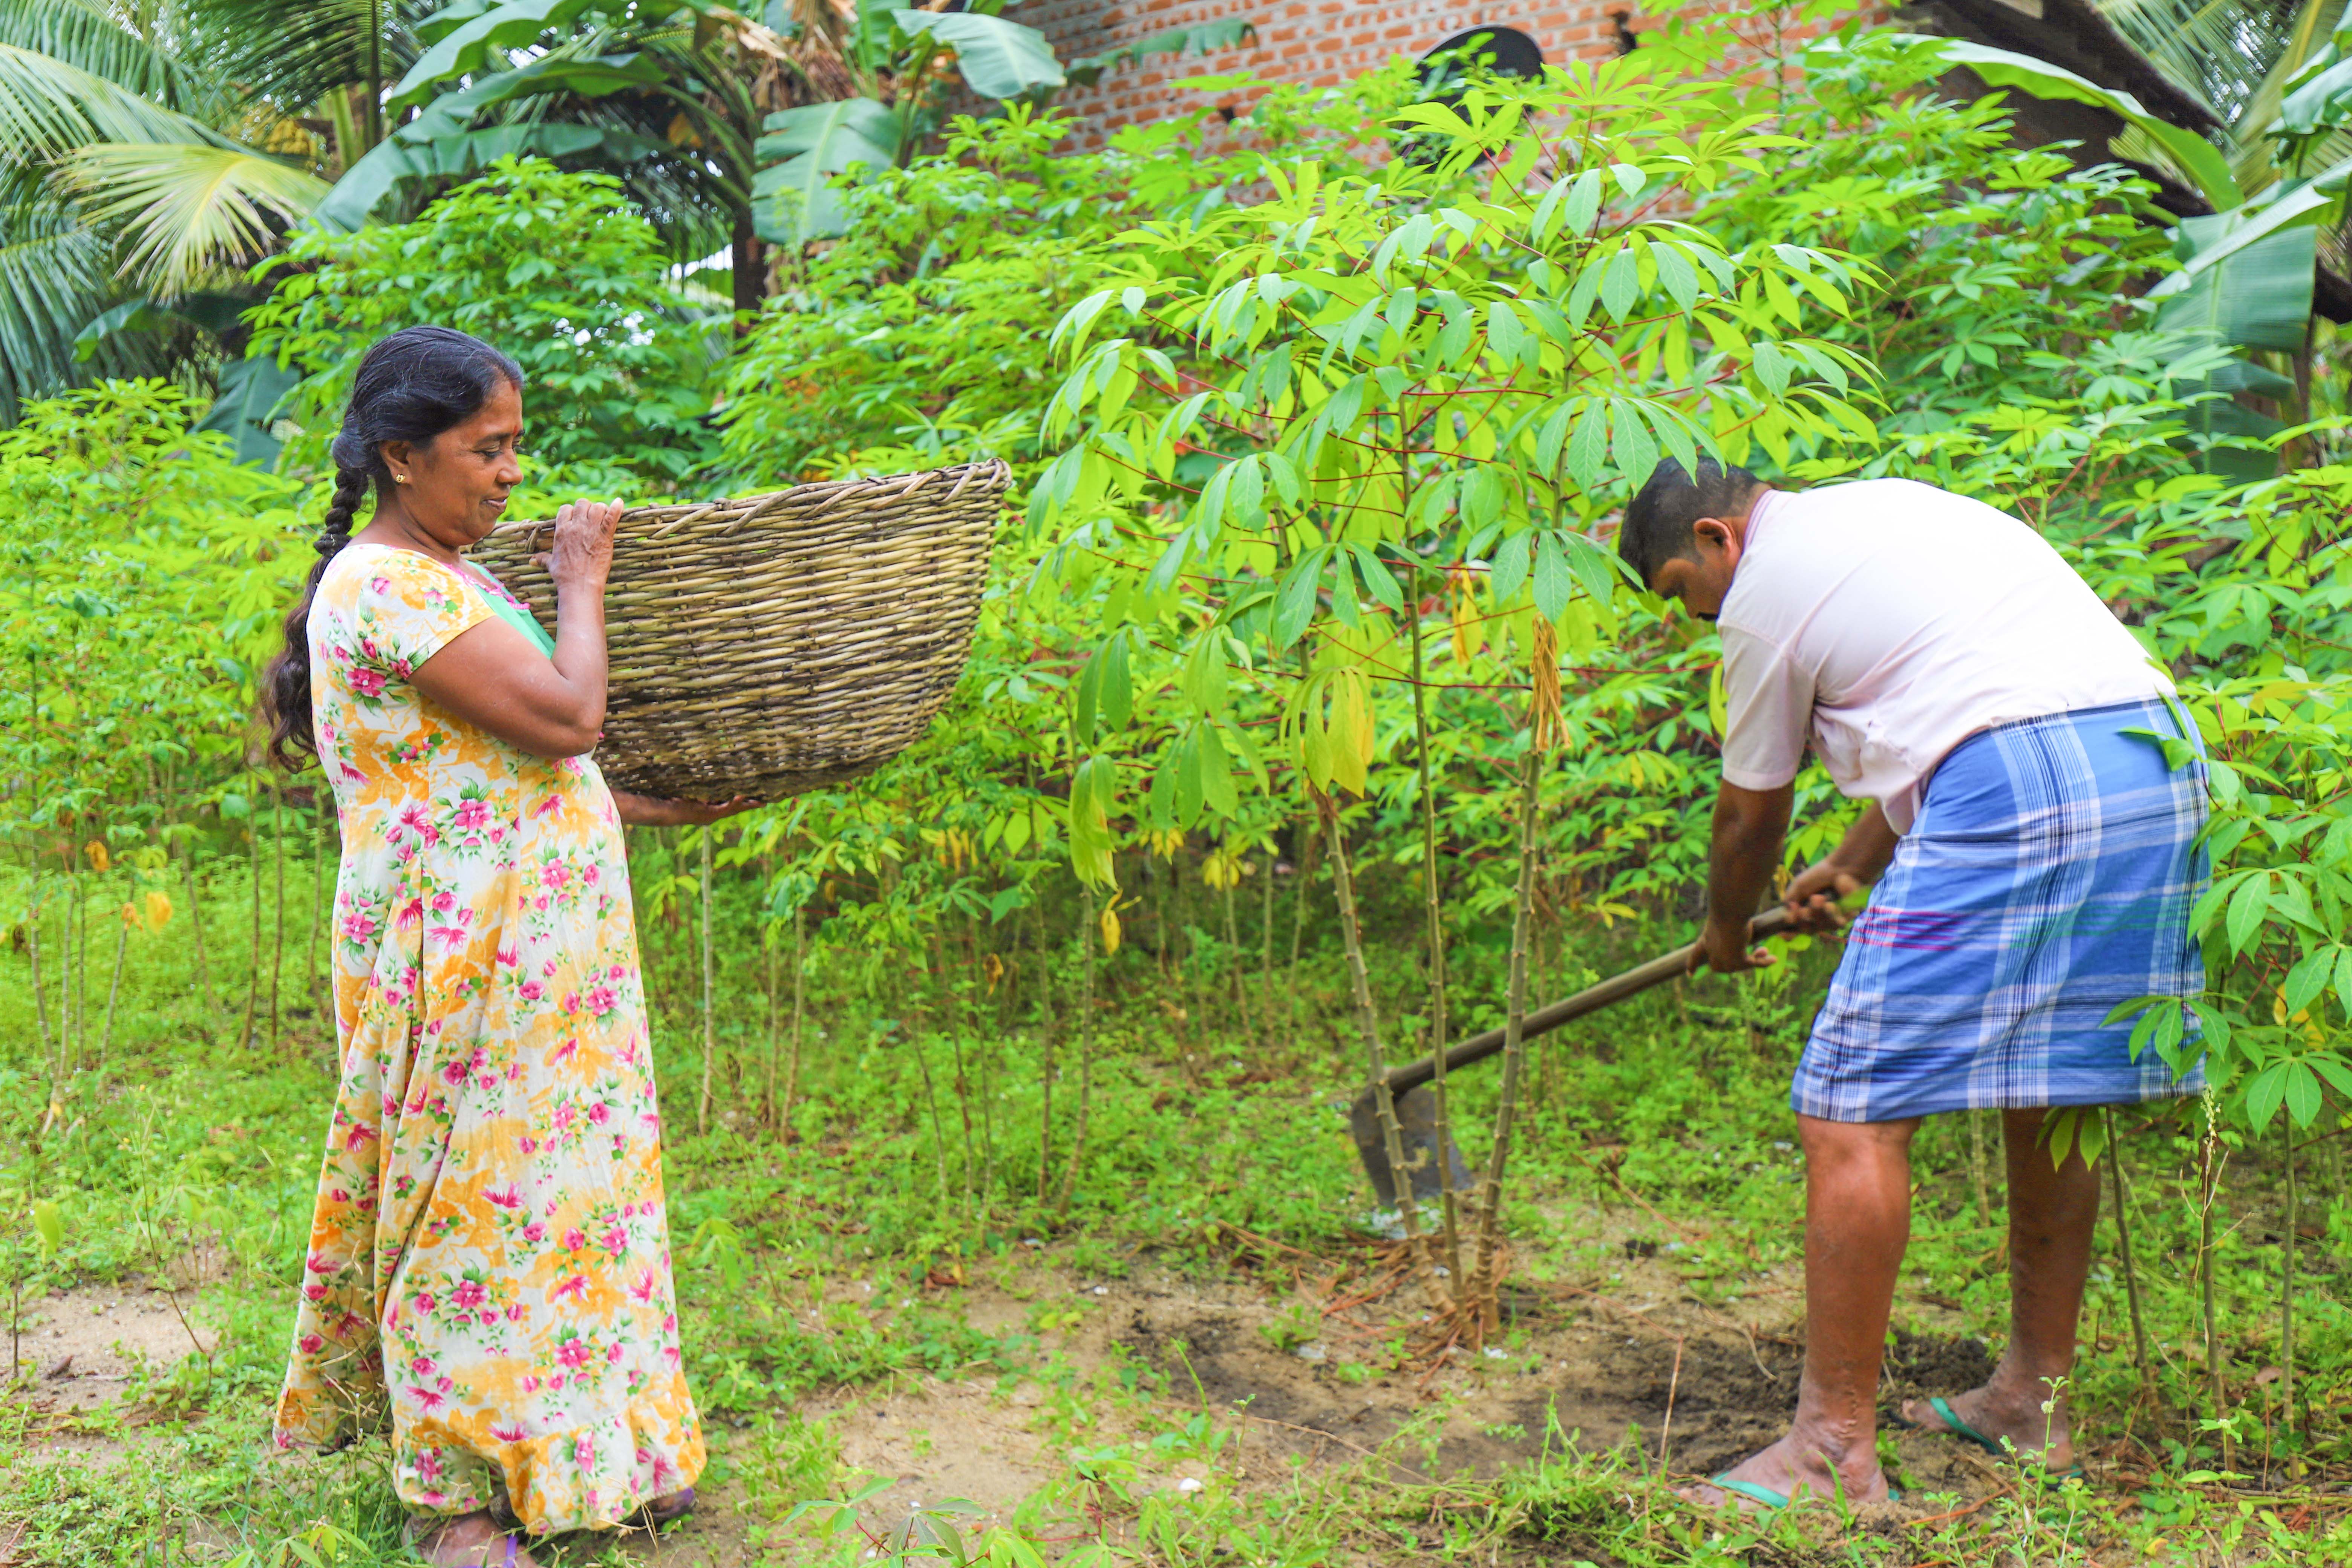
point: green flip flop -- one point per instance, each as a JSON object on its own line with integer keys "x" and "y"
{"x": 1956, "y": 1427}
{"x": 1774, "y": 1500}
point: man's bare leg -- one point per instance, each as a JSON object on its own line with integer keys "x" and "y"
{"x": 1857, "y": 1222}
{"x": 2052, "y": 1212}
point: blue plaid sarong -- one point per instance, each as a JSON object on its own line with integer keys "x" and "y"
{"x": 2049, "y": 877}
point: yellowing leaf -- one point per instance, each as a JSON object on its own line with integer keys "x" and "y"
{"x": 98, "y": 859}
{"x": 49, "y": 1224}
{"x": 1110, "y": 929}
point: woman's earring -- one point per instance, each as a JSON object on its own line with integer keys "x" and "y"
{"x": 400, "y": 479}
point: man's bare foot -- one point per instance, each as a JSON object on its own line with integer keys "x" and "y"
{"x": 1798, "y": 1466}
{"x": 2006, "y": 1408}
{"x": 468, "y": 1540}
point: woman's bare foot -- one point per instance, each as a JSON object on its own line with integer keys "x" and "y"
{"x": 468, "y": 1540}
{"x": 2007, "y": 1408}
{"x": 669, "y": 1506}
{"x": 1798, "y": 1465}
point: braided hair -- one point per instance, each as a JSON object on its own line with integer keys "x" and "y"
{"x": 410, "y": 387}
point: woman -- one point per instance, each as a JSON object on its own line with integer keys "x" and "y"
{"x": 488, "y": 1254}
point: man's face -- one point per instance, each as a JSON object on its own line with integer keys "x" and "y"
{"x": 1701, "y": 579}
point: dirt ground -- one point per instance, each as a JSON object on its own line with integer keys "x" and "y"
{"x": 1704, "y": 1386}
{"x": 1701, "y": 1387}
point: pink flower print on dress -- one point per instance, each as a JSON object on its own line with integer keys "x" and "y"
{"x": 617, "y": 1240}
{"x": 421, "y": 1367}
{"x": 574, "y": 1352}
{"x": 531, "y": 990}
{"x": 359, "y": 925}
{"x": 444, "y": 901}
{"x": 506, "y": 1197}
{"x": 312, "y": 1344}
{"x": 574, "y": 1239}
{"x": 469, "y": 1293}
{"x": 643, "y": 1289}
{"x": 365, "y": 681}
{"x": 425, "y": 1396}
{"x": 613, "y": 1354}
{"x": 534, "y": 1231}
{"x": 507, "y": 1433}
{"x": 472, "y": 813}
{"x": 428, "y": 1465}
{"x": 576, "y": 1288}
{"x": 425, "y": 1303}
{"x": 555, "y": 874}
{"x": 601, "y": 1000}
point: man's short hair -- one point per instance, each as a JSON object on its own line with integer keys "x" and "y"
{"x": 1658, "y": 520}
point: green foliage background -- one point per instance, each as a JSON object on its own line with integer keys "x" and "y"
{"x": 954, "y": 998}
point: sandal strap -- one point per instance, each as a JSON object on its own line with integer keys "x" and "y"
{"x": 1753, "y": 1492}
{"x": 1959, "y": 1428}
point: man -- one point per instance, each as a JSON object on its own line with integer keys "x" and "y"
{"x": 2039, "y": 862}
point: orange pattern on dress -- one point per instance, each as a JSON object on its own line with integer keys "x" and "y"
{"x": 489, "y": 1253}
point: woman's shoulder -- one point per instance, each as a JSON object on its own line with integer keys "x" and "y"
{"x": 384, "y": 577}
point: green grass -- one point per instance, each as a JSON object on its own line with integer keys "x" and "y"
{"x": 1662, "y": 1126}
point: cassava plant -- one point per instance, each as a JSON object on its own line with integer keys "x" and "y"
{"x": 1325, "y": 406}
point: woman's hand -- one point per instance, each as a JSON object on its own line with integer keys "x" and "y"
{"x": 581, "y": 559}
{"x": 650, "y": 811}
{"x": 492, "y": 678}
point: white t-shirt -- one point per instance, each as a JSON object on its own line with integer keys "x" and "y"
{"x": 1898, "y": 620}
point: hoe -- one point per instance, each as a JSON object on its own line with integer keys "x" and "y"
{"x": 1415, "y": 1109}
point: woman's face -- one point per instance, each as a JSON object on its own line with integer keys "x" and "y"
{"x": 454, "y": 486}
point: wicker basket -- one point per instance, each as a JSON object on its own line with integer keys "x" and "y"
{"x": 776, "y": 643}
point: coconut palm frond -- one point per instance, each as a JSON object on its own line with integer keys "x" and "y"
{"x": 297, "y": 52}
{"x": 88, "y": 35}
{"x": 186, "y": 212}
{"x": 48, "y": 108}
{"x": 2219, "y": 49}
{"x": 56, "y": 275}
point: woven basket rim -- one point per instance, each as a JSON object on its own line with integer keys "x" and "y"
{"x": 670, "y": 515}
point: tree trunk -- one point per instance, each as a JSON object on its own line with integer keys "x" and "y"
{"x": 1086, "y": 1056}
{"x": 2287, "y": 1282}
{"x": 800, "y": 964}
{"x": 53, "y": 1058}
{"x": 253, "y": 901}
{"x": 321, "y": 998}
{"x": 750, "y": 269}
{"x": 1360, "y": 982}
{"x": 196, "y": 921}
{"x": 114, "y": 986}
{"x": 2124, "y": 1255}
{"x": 1483, "y": 1295}
{"x": 1440, "y": 1096}
{"x": 1046, "y": 1023}
{"x": 278, "y": 945}
{"x": 709, "y": 1023}
{"x": 1266, "y": 950}
{"x": 2209, "y": 1192}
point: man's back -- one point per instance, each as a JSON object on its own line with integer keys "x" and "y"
{"x": 1898, "y": 619}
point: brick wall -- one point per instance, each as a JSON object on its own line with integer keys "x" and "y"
{"x": 1311, "y": 43}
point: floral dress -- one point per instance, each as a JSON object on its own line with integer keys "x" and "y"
{"x": 488, "y": 1255}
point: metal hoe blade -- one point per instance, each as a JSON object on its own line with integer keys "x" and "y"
{"x": 1416, "y": 1108}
